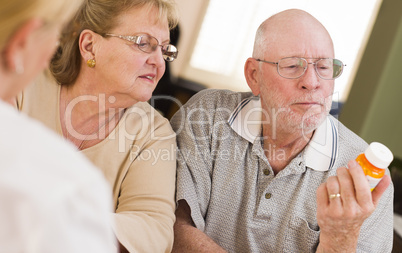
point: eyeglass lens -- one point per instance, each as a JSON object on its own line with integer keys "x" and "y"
{"x": 294, "y": 67}
{"x": 149, "y": 44}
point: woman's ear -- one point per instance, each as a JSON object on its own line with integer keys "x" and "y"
{"x": 86, "y": 44}
{"x": 17, "y": 49}
{"x": 250, "y": 72}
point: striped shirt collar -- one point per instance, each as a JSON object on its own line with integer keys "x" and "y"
{"x": 321, "y": 152}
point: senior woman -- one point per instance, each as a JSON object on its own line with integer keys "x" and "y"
{"x": 49, "y": 194}
{"x": 111, "y": 57}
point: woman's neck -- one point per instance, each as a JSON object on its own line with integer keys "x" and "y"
{"x": 86, "y": 119}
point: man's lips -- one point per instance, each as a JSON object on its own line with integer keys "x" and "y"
{"x": 307, "y": 103}
{"x": 306, "y": 106}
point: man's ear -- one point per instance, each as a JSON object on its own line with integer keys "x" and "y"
{"x": 250, "y": 72}
{"x": 86, "y": 44}
{"x": 15, "y": 50}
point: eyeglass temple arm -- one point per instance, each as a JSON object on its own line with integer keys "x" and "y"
{"x": 134, "y": 39}
{"x": 267, "y": 61}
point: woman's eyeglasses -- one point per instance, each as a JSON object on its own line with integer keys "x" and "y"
{"x": 148, "y": 44}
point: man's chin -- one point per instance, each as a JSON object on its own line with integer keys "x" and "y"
{"x": 312, "y": 122}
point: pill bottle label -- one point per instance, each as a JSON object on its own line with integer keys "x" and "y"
{"x": 372, "y": 181}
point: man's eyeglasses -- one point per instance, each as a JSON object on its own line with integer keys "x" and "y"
{"x": 148, "y": 44}
{"x": 295, "y": 67}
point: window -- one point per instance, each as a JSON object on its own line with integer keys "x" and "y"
{"x": 227, "y": 34}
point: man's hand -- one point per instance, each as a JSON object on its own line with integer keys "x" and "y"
{"x": 344, "y": 202}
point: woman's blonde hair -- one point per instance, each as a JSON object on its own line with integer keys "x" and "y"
{"x": 101, "y": 17}
{"x": 13, "y": 13}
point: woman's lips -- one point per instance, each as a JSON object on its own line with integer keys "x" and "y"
{"x": 149, "y": 78}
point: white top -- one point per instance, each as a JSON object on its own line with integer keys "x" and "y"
{"x": 52, "y": 199}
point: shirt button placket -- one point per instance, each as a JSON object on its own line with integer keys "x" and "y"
{"x": 267, "y": 172}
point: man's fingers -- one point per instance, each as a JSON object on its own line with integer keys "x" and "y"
{"x": 347, "y": 188}
{"x": 322, "y": 195}
{"x": 360, "y": 183}
{"x": 380, "y": 189}
{"x": 333, "y": 190}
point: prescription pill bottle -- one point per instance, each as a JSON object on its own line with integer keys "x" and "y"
{"x": 374, "y": 161}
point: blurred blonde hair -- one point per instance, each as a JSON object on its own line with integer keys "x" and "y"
{"x": 13, "y": 13}
{"x": 101, "y": 17}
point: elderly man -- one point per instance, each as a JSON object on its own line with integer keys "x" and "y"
{"x": 267, "y": 173}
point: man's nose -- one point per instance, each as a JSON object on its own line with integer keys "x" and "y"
{"x": 310, "y": 79}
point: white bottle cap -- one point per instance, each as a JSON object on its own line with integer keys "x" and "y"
{"x": 378, "y": 155}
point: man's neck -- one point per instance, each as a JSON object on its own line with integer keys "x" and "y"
{"x": 284, "y": 147}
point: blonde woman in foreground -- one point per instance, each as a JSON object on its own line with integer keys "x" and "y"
{"x": 52, "y": 199}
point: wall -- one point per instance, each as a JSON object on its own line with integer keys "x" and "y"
{"x": 191, "y": 15}
{"x": 374, "y": 106}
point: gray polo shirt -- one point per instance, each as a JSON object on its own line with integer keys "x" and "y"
{"x": 234, "y": 196}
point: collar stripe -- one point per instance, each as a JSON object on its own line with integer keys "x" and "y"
{"x": 238, "y": 109}
{"x": 334, "y": 144}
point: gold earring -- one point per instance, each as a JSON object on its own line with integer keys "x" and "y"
{"x": 91, "y": 63}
